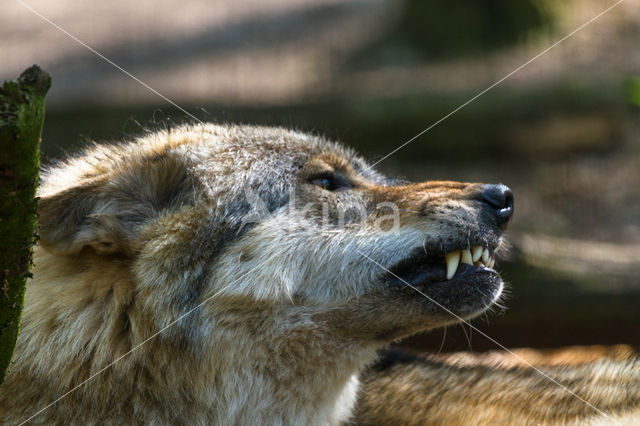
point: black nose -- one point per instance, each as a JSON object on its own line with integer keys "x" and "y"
{"x": 500, "y": 199}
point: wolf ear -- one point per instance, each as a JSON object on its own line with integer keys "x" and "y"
{"x": 107, "y": 212}
{"x": 79, "y": 217}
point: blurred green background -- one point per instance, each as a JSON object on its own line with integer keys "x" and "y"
{"x": 563, "y": 132}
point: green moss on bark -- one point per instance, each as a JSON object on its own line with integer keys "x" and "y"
{"x": 21, "y": 119}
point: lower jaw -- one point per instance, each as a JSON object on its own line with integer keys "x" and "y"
{"x": 424, "y": 275}
{"x": 468, "y": 293}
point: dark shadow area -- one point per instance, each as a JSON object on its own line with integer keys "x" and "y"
{"x": 431, "y": 30}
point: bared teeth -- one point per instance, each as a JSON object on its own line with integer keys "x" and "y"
{"x": 476, "y": 256}
{"x": 476, "y": 253}
{"x": 452, "y": 260}
{"x": 485, "y": 256}
{"x": 466, "y": 257}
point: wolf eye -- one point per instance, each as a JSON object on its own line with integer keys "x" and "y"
{"x": 330, "y": 183}
{"x": 324, "y": 183}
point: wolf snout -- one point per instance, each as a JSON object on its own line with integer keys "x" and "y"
{"x": 500, "y": 199}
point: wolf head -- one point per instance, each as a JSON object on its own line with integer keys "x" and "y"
{"x": 211, "y": 217}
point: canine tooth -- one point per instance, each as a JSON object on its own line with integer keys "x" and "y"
{"x": 477, "y": 253}
{"x": 485, "y": 256}
{"x": 491, "y": 263}
{"x": 466, "y": 257}
{"x": 452, "y": 259}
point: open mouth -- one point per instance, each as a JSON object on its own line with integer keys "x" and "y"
{"x": 424, "y": 268}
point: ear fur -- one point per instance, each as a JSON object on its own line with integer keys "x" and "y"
{"x": 106, "y": 212}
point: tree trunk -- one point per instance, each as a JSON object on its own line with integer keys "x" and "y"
{"x": 21, "y": 119}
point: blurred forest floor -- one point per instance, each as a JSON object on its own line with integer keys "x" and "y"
{"x": 563, "y": 132}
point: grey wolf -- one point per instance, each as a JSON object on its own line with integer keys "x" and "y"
{"x": 284, "y": 311}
